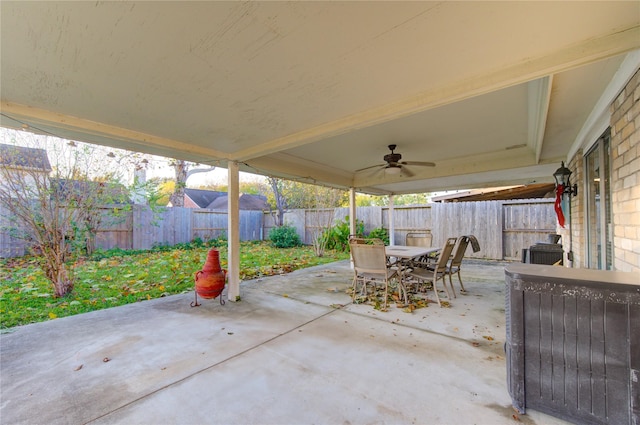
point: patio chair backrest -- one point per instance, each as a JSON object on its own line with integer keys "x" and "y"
{"x": 445, "y": 254}
{"x": 365, "y": 241}
{"x": 369, "y": 258}
{"x": 355, "y": 240}
{"x": 419, "y": 239}
{"x": 461, "y": 248}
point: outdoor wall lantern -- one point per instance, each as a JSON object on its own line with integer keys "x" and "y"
{"x": 562, "y": 175}
{"x": 563, "y": 187}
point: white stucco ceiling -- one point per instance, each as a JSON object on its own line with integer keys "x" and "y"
{"x": 493, "y": 92}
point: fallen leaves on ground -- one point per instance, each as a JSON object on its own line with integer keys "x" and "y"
{"x": 375, "y": 297}
{"x": 127, "y": 277}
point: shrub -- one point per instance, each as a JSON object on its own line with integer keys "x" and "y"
{"x": 99, "y": 254}
{"x": 197, "y": 243}
{"x": 380, "y": 233}
{"x": 218, "y": 242}
{"x": 284, "y": 237}
{"x": 338, "y": 235}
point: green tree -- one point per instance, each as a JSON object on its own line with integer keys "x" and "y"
{"x": 364, "y": 200}
{"x": 251, "y": 187}
{"x": 165, "y": 188}
{"x": 412, "y": 199}
{"x": 255, "y": 187}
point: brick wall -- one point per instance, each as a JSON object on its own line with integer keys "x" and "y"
{"x": 625, "y": 176}
{"x": 578, "y": 225}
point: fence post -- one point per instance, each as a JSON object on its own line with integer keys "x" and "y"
{"x": 500, "y": 226}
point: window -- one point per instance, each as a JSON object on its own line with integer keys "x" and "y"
{"x": 598, "y": 205}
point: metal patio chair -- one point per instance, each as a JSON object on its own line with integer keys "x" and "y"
{"x": 421, "y": 239}
{"x": 430, "y": 272}
{"x": 456, "y": 261}
{"x": 370, "y": 266}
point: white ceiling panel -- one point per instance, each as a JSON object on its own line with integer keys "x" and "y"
{"x": 317, "y": 90}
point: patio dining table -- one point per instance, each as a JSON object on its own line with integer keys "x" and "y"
{"x": 404, "y": 254}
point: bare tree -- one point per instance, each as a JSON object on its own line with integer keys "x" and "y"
{"x": 52, "y": 205}
{"x": 183, "y": 173}
{"x": 280, "y": 200}
{"x": 289, "y": 194}
{"x": 27, "y": 193}
{"x": 180, "y": 168}
{"x": 322, "y": 216}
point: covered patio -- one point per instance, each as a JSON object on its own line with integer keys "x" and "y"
{"x": 295, "y": 350}
{"x": 492, "y": 93}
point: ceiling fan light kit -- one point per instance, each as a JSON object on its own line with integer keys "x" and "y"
{"x": 392, "y": 170}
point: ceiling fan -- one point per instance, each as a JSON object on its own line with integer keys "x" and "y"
{"x": 394, "y": 165}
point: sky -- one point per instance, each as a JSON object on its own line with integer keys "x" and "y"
{"x": 218, "y": 176}
{"x": 157, "y": 166}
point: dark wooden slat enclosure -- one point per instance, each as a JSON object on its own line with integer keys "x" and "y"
{"x": 572, "y": 343}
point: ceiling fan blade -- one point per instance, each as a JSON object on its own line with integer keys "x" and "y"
{"x": 420, "y": 163}
{"x": 373, "y": 166}
{"x": 407, "y": 172}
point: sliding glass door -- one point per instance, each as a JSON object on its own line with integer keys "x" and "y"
{"x": 598, "y": 205}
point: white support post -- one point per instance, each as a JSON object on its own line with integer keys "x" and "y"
{"x": 352, "y": 216}
{"x": 233, "y": 227}
{"x": 352, "y": 211}
{"x": 392, "y": 228}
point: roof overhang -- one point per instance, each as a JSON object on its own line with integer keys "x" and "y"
{"x": 495, "y": 93}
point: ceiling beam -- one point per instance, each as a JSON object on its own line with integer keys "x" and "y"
{"x": 539, "y": 98}
{"x": 295, "y": 168}
{"x": 564, "y": 59}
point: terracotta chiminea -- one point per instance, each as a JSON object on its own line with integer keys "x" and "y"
{"x": 211, "y": 279}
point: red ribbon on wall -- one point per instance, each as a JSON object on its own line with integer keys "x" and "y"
{"x": 558, "y": 205}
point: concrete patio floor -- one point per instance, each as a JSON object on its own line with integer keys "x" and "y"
{"x": 293, "y": 351}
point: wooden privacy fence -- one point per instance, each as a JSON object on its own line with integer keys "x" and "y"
{"x": 142, "y": 228}
{"x": 503, "y": 228}
{"x": 172, "y": 226}
{"x": 9, "y": 247}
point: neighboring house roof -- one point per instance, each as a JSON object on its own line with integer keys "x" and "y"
{"x": 202, "y": 198}
{"x": 23, "y": 157}
{"x": 246, "y": 202}
{"x": 540, "y": 190}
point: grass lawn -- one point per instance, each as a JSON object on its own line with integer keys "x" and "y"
{"x": 115, "y": 278}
